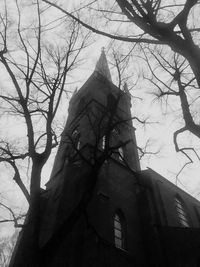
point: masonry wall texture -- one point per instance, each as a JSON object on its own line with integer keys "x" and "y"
{"x": 133, "y": 217}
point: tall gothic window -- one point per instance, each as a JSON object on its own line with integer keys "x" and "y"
{"x": 75, "y": 134}
{"x": 118, "y": 231}
{"x": 182, "y": 215}
{"x": 78, "y": 145}
{"x": 103, "y": 142}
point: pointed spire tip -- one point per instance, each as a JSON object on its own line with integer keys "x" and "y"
{"x": 102, "y": 65}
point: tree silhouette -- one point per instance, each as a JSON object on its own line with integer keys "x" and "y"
{"x": 155, "y": 26}
{"x": 36, "y": 72}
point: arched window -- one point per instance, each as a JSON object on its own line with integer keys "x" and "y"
{"x": 118, "y": 231}
{"x": 103, "y": 142}
{"x": 78, "y": 145}
{"x": 182, "y": 215}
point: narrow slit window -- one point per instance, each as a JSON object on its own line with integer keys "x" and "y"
{"x": 76, "y": 139}
{"x": 78, "y": 145}
{"x": 103, "y": 142}
{"x": 121, "y": 152}
{"x": 182, "y": 215}
{"x": 118, "y": 232}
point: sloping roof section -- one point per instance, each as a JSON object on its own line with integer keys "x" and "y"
{"x": 102, "y": 66}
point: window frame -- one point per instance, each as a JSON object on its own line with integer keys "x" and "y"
{"x": 181, "y": 212}
{"x": 119, "y": 230}
{"x": 103, "y": 142}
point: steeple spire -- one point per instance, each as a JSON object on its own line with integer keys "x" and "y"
{"x": 102, "y": 66}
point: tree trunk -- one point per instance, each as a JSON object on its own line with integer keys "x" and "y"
{"x": 27, "y": 251}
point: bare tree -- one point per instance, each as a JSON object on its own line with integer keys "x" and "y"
{"x": 36, "y": 71}
{"x": 15, "y": 218}
{"x": 173, "y": 83}
{"x": 171, "y": 24}
{"x": 155, "y": 25}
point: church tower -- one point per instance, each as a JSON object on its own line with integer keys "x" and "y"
{"x": 99, "y": 209}
{"x": 99, "y": 112}
{"x": 92, "y": 185}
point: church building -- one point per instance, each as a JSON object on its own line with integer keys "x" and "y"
{"x": 99, "y": 208}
